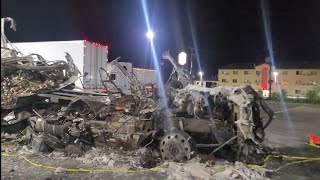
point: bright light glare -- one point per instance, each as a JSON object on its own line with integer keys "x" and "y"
{"x": 275, "y": 74}
{"x": 162, "y": 91}
{"x": 150, "y": 35}
{"x": 182, "y": 59}
{"x": 265, "y": 93}
{"x": 201, "y": 74}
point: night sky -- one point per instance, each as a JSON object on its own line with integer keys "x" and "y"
{"x": 225, "y": 31}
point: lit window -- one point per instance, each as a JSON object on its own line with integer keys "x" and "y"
{"x": 298, "y": 72}
{"x": 224, "y": 72}
{"x": 224, "y": 80}
{"x": 246, "y": 72}
{"x": 298, "y": 91}
{"x": 284, "y": 73}
{"x": 234, "y": 80}
{"x": 313, "y": 73}
{"x": 258, "y": 73}
{"x": 235, "y": 72}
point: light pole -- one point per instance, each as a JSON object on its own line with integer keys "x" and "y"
{"x": 201, "y": 74}
{"x": 182, "y": 58}
{"x": 275, "y": 74}
{"x": 191, "y": 59}
{"x": 270, "y": 67}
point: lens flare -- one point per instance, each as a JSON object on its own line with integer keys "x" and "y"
{"x": 267, "y": 30}
{"x": 150, "y": 35}
{"x": 163, "y": 97}
{"x": 194, "y": 38}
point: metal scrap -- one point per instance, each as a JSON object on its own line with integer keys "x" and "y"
{"x": 196, "y": 118}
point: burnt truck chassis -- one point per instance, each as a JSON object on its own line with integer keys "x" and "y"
{"x": 56, "y": 116}
{"x": 88, "y": 122}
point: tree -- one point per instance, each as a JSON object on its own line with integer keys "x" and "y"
{"x": 313, "y": 96}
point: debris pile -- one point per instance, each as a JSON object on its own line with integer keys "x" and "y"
{"x": 221, "y": 171}
{"x": 111, "y": 160}
{"x": 24, "y": 82}
{"x": 39, "y": 101}
{"x": 241, "y": 171}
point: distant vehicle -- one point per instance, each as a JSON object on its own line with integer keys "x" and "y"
{"x": 90, "y": 57}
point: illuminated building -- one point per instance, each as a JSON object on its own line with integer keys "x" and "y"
{"x": 294, "y": 79}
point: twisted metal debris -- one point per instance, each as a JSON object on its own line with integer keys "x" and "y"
{"x": 39, "y": 99}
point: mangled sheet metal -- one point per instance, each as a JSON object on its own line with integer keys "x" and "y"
{"x": 23, "y": 76}
{"x": 182, "y": 77}
{"x": 5, "y": 50}
{"x": 229, "y": 116}
{"x": 238, "y": 108}
{"x": 26, "y": 79}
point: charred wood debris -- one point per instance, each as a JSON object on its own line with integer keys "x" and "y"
{"x": 39, "y": 102}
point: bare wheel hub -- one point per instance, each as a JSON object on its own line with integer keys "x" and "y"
{"x": 176, "y": 146}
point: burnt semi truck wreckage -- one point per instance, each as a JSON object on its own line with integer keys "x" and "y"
{"x": 38, "y": 99}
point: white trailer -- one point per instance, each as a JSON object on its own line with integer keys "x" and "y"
{"x": 146, "y": 76}
{"x": 125, "y": 75}
{"x": 89, "y": 57}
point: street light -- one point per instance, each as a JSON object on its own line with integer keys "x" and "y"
{"x": 182, "y": 59}
{"x": 150, "y": 35}
{"x": 200, "y": 74}
{"x": 275, "y": 74}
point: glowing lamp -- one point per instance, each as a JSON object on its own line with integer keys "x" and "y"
{"x": 182, "y": 58}
{"x": 150, "y": 35}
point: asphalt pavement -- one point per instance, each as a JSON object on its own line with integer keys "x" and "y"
{"x": 292, "y": 124}
{"x": 288, "y": 134}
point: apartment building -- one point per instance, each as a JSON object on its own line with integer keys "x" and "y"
{"x": 294, "y": 79}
